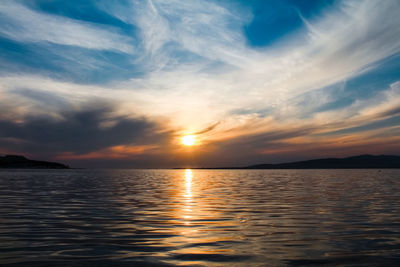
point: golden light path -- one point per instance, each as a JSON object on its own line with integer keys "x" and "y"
{"x": 188, "y": 195}
{"x": 188, "y": 140}
{"x": 188, "y": 183}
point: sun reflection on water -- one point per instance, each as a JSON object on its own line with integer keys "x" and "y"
{"x": 188, "y": 196}
{"x": 200, "y": 217}
{"x": 188, "y": 184}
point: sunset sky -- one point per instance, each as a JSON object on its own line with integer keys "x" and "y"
{"x": 119, "y": 83}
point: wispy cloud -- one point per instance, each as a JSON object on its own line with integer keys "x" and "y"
{"x": 22, "y": 24}
{"x": 197, "y": 68}
{"x": 340, "y": 45}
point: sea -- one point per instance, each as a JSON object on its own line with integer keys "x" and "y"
{"x": 200, "y": 217}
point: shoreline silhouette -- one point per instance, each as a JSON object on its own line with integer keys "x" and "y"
{"x": 354, "y": 162}
{"x": 21, "y": 162}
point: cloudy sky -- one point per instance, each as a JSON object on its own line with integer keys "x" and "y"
{"x": 117, "y": 83}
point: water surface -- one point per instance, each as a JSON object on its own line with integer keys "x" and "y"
{"x": 199, "y": 217}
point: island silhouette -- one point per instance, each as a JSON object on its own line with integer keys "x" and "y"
{"x": 354, "y": 162}
{"x": 21, "y": 162}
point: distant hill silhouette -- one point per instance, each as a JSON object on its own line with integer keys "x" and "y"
{"x": 20, "y": 162}
{"x": 355, "y": 162}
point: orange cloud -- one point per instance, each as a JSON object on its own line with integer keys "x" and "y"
{"x": 114, "y": 152}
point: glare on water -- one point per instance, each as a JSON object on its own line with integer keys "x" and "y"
{"x": 188, "y": 184}
{"x": 200, "y": 217}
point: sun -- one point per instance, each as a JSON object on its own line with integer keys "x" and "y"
{"x": 188, "y": 140}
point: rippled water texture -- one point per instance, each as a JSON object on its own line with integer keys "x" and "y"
{"x": 199, "y": 217}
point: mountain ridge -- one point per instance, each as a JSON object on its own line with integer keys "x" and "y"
{"x": 364, "y": 161}
{"x": 354, "y": 162}
{"x": 21, "y": 162}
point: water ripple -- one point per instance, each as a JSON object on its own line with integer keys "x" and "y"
{"x": 199, "y": 217}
